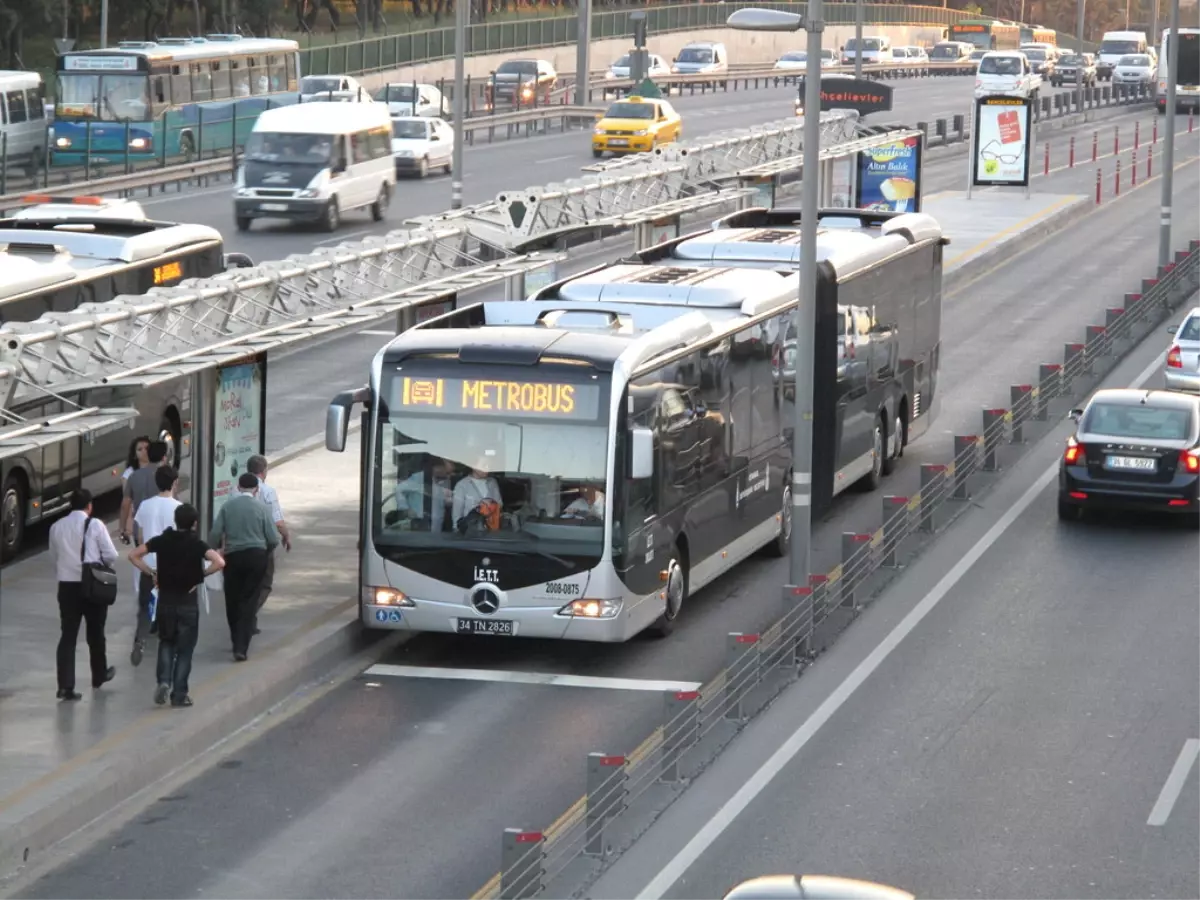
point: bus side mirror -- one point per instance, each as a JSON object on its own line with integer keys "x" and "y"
{"x": 642, "y": 447}
{"x": 337, "y": 417}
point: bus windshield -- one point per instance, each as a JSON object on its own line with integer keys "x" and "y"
{"x": 109, "y": 98}
{"x": 493, "y": 466}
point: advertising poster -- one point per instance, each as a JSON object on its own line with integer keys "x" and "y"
{"x": 889, "y": 177}
{"x": 662, "y": 230}
{"x": 239, "y": 426}
{"x": 1002, "y": 142}
{"x": 541, "y": 277}
{"x": 841, "y": 173}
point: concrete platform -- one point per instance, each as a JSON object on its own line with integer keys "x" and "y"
{"x": 62, "y": 765}
{"x": 995, "y": 223}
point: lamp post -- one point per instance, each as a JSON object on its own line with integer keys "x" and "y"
{"x": 583, "y": 63}
{"x": 462, "y": 15}
{"x": 1079, "y": 8}
{"x": 858, "y": 30}
{"x": 1168, "y": 160}
{"x": 805, "y": 319}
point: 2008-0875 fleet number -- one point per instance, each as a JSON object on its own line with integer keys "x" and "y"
{"x": 557, "y": 588}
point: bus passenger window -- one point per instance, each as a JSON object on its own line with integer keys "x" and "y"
{"x": 222, "y": 87}
{"x": 201, "y": 83}
{"x": 241, "y": 78}
{"x": 16, "y": 107}
{"x": 291, "y": 66}
{"x": 160, "y": 91}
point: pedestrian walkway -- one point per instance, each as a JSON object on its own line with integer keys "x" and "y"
{"x": 64, "y": 764}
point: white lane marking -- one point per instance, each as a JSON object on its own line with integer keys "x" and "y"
{"x": 1174, "y": 784}
{"x": 342, "y": 237}
{"x": 746, "y": 794}
{"x": 502, "y": 677}
{"x": 379, "y": 333}
{"x": 549, "y": 159}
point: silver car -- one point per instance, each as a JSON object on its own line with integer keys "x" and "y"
{"x": 1183, "y": 359}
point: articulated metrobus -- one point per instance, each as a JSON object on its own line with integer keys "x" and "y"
{"x": 577, "y": 465}
{"x": 1036, "y": 34}
{"x": 57, "y": 263}
{"x": 147, "y": 100}
{"x": 986, "y": 34}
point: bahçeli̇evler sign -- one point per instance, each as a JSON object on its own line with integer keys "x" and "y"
{"x": 1002, "y": 141}
{"x": 860, "y": 94}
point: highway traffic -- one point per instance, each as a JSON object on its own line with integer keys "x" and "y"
{"x": 399, "y": 782}
{"x": 1033, "y": 735}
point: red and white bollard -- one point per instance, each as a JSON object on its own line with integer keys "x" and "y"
{"x": 1097, "y": 186}
{"x": 1116, "y": 139}
{"x": 1133, "y": 169}
{"x": 1149, "y": 164}
{"x": 1095, "y": 144}
{"x": 1191, "y": 121}
{"x": 1154, "y": 136}
{"x": 1071, "y": 154}
{"x": 1137, "y": 134}
{"x": 1046, "y": 166}
{"x": 1117, "y": 180}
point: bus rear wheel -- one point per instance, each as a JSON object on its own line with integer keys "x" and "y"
{"x": 12, "y": 516}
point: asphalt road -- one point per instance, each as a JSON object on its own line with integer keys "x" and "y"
{"x": 393, "y": 786}
{"x": 1018, "y": 741}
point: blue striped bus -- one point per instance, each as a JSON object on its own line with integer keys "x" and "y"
{"x": 174, "y": 97}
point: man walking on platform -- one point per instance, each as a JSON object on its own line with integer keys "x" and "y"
{"x": 257, "y": 466}
{"x": 68, "y": 536}
{"x": 245, "y": 531}
{"x": 175, "y": 560}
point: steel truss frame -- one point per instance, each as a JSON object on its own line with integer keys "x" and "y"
{"x": 170, "y": 331}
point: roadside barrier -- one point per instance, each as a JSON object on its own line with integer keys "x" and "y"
{"x": 625, "y": 793}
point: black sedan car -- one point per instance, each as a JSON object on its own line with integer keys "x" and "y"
{"x": 1133, "y": 450}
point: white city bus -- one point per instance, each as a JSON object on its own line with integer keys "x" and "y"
{"x": 1187, "y": 84}
{"x": 576, "y": 466}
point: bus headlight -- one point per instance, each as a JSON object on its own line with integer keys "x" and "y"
{"x": 62, "y": 143}
{"x": 592, "y": 609}
{"x": 385, "y": 596}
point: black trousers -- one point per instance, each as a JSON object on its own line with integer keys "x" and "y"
{"x": 72, "y": 610}
{"x": 244, "y": 571}
{"x": 268, "y": 582}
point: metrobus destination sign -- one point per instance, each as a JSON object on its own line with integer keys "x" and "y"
{"x": 859, "y": 94}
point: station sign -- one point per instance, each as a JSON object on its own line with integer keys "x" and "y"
{"x": 860, "y": 94}
{"x": 1002, "y": 142}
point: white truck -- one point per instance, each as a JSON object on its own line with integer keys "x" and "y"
{"x": 1007, "y": 73}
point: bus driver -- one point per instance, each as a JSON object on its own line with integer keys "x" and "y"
{"x": 428, "y": 507}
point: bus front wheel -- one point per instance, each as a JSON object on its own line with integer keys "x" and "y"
{"x": 675, "y": 591}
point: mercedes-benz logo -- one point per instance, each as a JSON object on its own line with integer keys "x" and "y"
{"x": 485, "y": 601}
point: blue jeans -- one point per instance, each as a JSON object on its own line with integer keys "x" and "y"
{"x": 178, "y": 630}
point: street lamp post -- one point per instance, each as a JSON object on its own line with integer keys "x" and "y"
{"x": 858, "y": 30}
{"x": 806, "y": 311}
{"x": 462, "y": 15}
{"x": 1079, "y": 8}
{"x": 1168, "y": 160}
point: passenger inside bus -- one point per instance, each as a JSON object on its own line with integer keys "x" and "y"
{"x": 588, "y": 504}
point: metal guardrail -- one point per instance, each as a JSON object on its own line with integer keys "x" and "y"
{"x": 626, "y": 792}
{"x": 396, "y": 51}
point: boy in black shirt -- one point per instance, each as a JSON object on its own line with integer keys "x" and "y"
{"x": 180, "y": 557}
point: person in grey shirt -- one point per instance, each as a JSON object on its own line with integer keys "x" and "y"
{"x": 141, "y": 486}
{"x": 246, "y": 534}
{"x": 257, "y": 466}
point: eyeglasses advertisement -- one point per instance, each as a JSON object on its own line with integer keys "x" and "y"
{"x": 1002, "y": 142}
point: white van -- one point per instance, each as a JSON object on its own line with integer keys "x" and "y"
{"x": 313, "y": 162}
{"x": 875, "y": 49}
{"x": 1113, "y": 46}
{"x": 701, "y": 58}
{"x": 22, "y": 119}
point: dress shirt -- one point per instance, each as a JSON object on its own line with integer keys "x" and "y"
{"x": 267, "y": 495}
{"x": 66, "y": 537}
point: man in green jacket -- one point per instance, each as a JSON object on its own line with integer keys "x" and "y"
{"x": 246, "y": 534}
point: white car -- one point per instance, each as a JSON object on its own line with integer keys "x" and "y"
{"x": 1006, "y": 73}
{"x": 332, "y": 87}
{"x": 913, "y": 56}
{"x": 399, "y": 98}
{"x": 421, "y": 143}
{"x": 657, "y": 68}
{"x": 1182, "y": 370}
{"x": 798, "y": 59}
{"x": 1137, "y": 68}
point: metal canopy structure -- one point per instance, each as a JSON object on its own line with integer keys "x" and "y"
{"x": 203, "y": 322}
{"x": 28, "y": 437}
{"x": 780, "y": 166}
{"x": 636, "y": 183}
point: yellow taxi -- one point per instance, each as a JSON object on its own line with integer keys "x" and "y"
{"x": 635, "y": 125}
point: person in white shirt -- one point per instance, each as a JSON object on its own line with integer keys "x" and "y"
{"x": 257, "y": 466}
{"x": 411, "y": 495}
{"x": 154, "y": 516}
{"x": 589, "y": 504}
{"x": 67, "y": 539}
{"x": 473, "y": 490}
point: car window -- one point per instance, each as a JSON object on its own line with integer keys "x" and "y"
{"x": 1190, "y": 330}
{"x": 1144, "y": 422}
